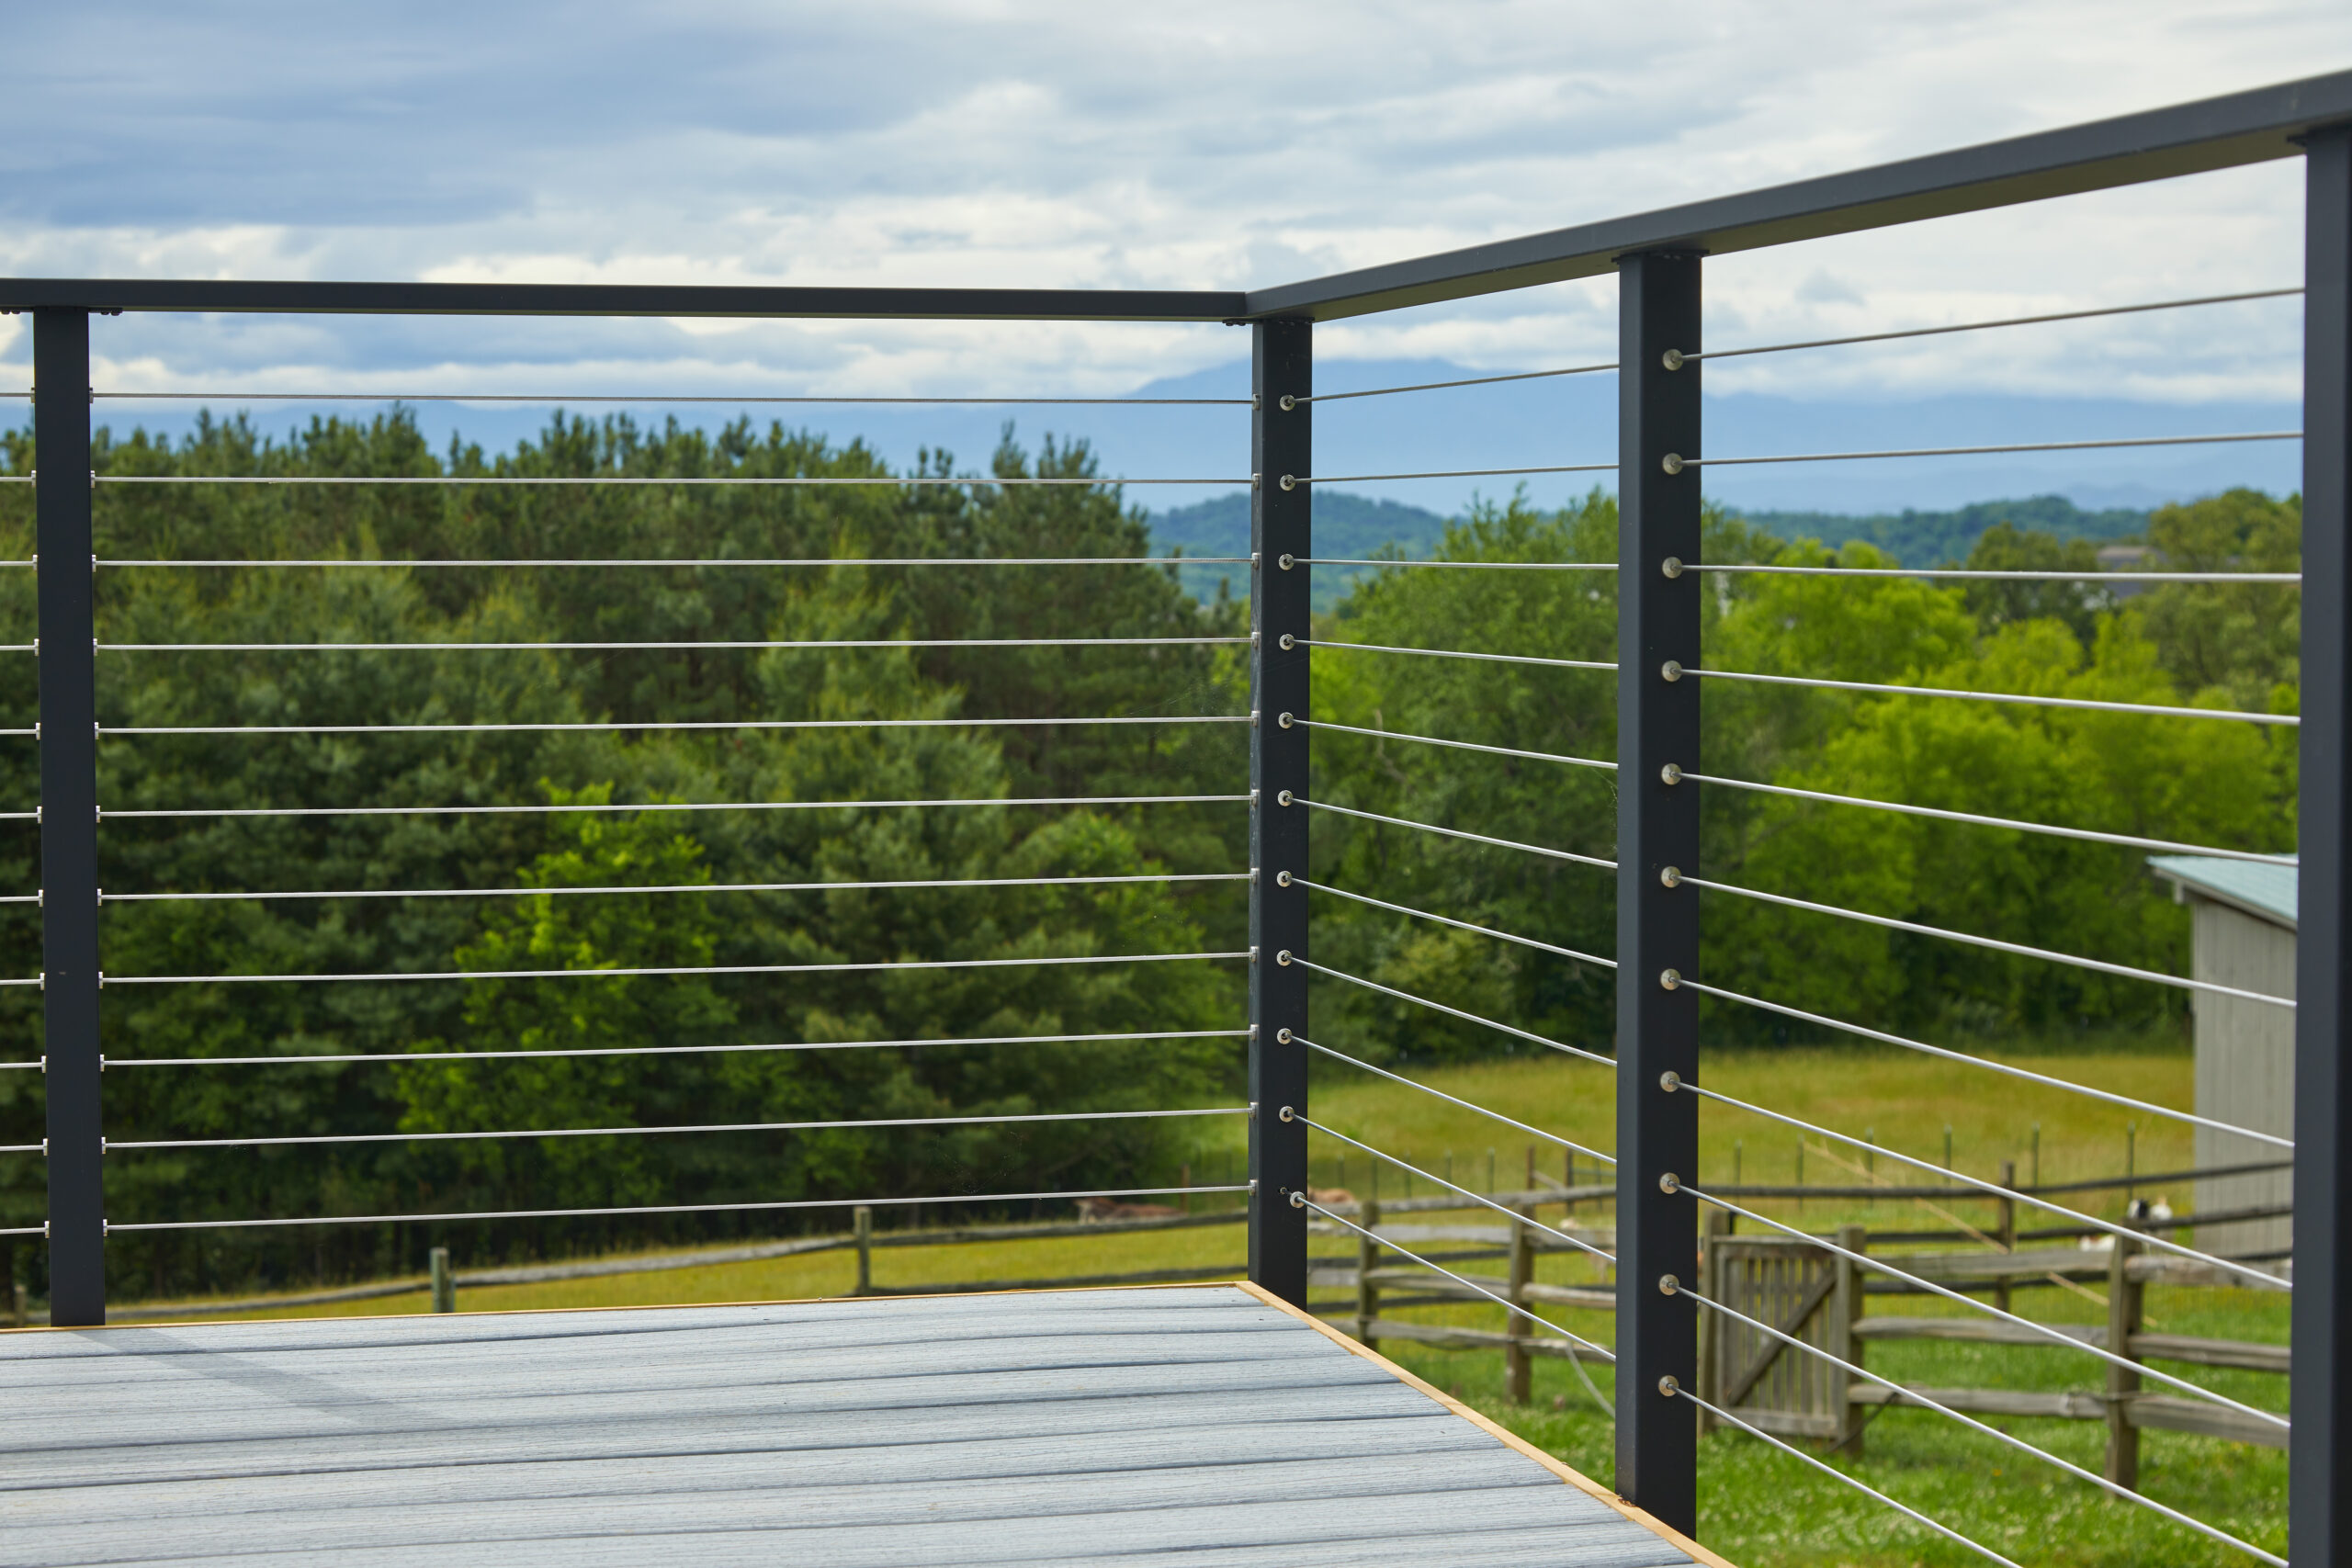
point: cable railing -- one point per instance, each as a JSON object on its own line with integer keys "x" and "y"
{"x": 1416, "y": 945}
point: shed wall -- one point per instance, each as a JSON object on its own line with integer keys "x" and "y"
{"x": 2246, "y": 1073}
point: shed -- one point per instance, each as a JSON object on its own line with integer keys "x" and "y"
{"x": 2244, "y": 938}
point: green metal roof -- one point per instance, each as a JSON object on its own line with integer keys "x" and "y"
{"x": 2261, "y": 890}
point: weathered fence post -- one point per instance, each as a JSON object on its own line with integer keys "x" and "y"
{"x": 1845, "y": 1340}
{"x": 2123, "y": 1313}
{"x": 1713, "y": 1227}
{"x": 2319, "y": 1460}
{"x": 1279, "y": 538}
{"x": 1517, "y": 1365}
{"x": 69, "y": 816}
{"x": 1367, "y": 1259}
{"x": 2008, "y": 1233}
{"x": 861, "y": 1221}
{"x": 445, "y": 1285}
{"x": 1657, "y": 837}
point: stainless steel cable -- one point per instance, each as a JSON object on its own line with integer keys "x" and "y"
{"x": 227, "y": 811}
{"x": 1453, "y": 833}
{"x": 1727, "y": 1418}
{"x": 34, "y": 981}
{"x": 1593, "y": 1056}
{"x": 1288, "y": 1114}
{"x": 666, "y": 1209}
{"x": 18, "y": 815}
{"x": 719, "y": 561}
{"x": 1467, "y": 381}
{"x": 1993, "y": 943}
{"x": 1466, "y": 1105}
{"x": 2087, "y": 704}
{"x": 1972, "y": 573}
{"x": 1471, "y": 565}
{"x": 1301, "y": 1200}
{"x": 30, "y": 730}
{"x": 674, "y": 646}
{"x": 548, "y": 397}
{"x": 2055, "y": 1336}
{"x": 110, "y": 1145}
{"x": 39, "y": 1149}
{"x": 19, "y": 899}
{"x": 500, "y": 481}
{"x": 39, "y": 1064}
{"x": 1284, "y": 879}
{"x": 1457, "y": 745}
{"x": 2107, "y": 1096}
{"x": 1450, "y": 653}
{"x": 381, "y": 1056}
{"x": 1675, "y": 464}
{"x": 1290, "y": 479}
{"x": 1680, "y": 358}
{"x": 1993, "y": 1190}
{"x": 673, "y": 888}
{"x": 2087, "y": 835}
{"x": 1911, "y": 1396}
{"x": 674, "y": 969}
{"x": 609, "y": 725}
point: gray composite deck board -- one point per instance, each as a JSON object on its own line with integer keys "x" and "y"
{"x": 1187, "y": 1426}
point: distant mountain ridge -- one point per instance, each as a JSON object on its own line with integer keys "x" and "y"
{"x": 1347, "y": 526}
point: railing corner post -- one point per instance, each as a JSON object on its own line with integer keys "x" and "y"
{"x": 1280, "y": 450}
{"x": 1657, "y": 924}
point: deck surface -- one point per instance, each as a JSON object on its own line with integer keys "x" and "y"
{"x": 1182, "y": 1426}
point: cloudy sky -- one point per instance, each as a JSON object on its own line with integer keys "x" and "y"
{"x": 1213, "y": 144}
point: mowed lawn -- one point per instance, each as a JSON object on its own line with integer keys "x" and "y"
{"x": 1759, "y": 1506}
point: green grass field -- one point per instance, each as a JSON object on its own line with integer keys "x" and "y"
{"x": 1759, "y": 1506}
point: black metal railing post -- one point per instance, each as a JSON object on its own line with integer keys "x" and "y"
{"x": 1657, "y": 835}
{"x": 1284, "y": 365}
{"x": 69, "y": 816}
{"x": 2319, "y": 1464}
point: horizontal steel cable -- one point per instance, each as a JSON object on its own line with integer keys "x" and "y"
{"x": 19, "y": 899}
{"x": 1448, "y": 653}
{"x": 1439, "y": 1006}
{"x": 1679, "y": 358}
{"x": 1290, "y": 479}
{"x": 104, "y": 898}
{"x": 41, "y": 1229}
{"x": 1581, "y": 1244}
{"x": 2055, "y": 1336}
{"x": 39, "y": 1064}
{"x": 2022, "y": 699}
{"x": 33, "y": 730}
{"x": 2106, "y": 1096}
{"x": 1674, "y": 463}
{"x": 648, "y": 397}
{"x": 1457, "y": 745}
{"x": 1437, "y": 386}
{"x": 724, "y": 561}
{"x": 1835, "y": 1473}
{"x": 2087, "y": 835}
{"x": 1995, "y": 1190}
{"x": 675, "y": 969}
{"x": 646, "y": 724}
{"x": 1284, "y": 879}
{"x": 675, "y": 647}
{"x": 106, "y": 1062}
{"x": 1473, "y": 565}
{"x": 1449, "y": 832}
{"x": 630, "y": 482}
{"x": 1993, "y": 943}
{"x": 39, "y": 1149}
{"x": 1914, "y": 1397}
{"x": 1301, "y": 1200}
{"x": 666, "y": 1209}
{"x": 109, "y": 1144}
{"x": 34, "y": 981}
{"x": 2101, "y": 575}
{"x": 1466, "y": 1105}
{"x": 667, "y": 806}
{"x": 18, "y": 815}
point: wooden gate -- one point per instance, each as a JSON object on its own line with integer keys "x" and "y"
{"x": 1806, "y": 1291}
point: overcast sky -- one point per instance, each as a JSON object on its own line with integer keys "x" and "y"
{"x": 1210, "y": 144}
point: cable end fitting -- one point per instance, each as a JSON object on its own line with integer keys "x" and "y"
{"x": 1670, "y": 1081}
{"x": 1285, "y": 720}
{"x": 1289, "y": 481}
{"x": 1667, "y": 1285}
{"x": 1283, "y": 798}
{"x": 1288, "y": 402}
{"x": 1671, "y": 669}
{"x": 1669, "y": 1184}
{"x": 1671, "y": 567}
{"x": 1669, "y": 979}
{"x": 1286, "y": 560}
{"x": 1282, "y": 958}
{"x": 1668, "y": 1386}
{"x": 1286, "y": 1113}
{"x": 1281, "y": 1037}
{"x": 1298, "y": 1199}
{"x": 1671, "y": 359}
{"x": 1669, "y": 876}
{"x": 1671, "y": 774}
{"x": 1282, "y": 879}
{"x": 1286, "y": 642}
{"x": 1671, "y": 462}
